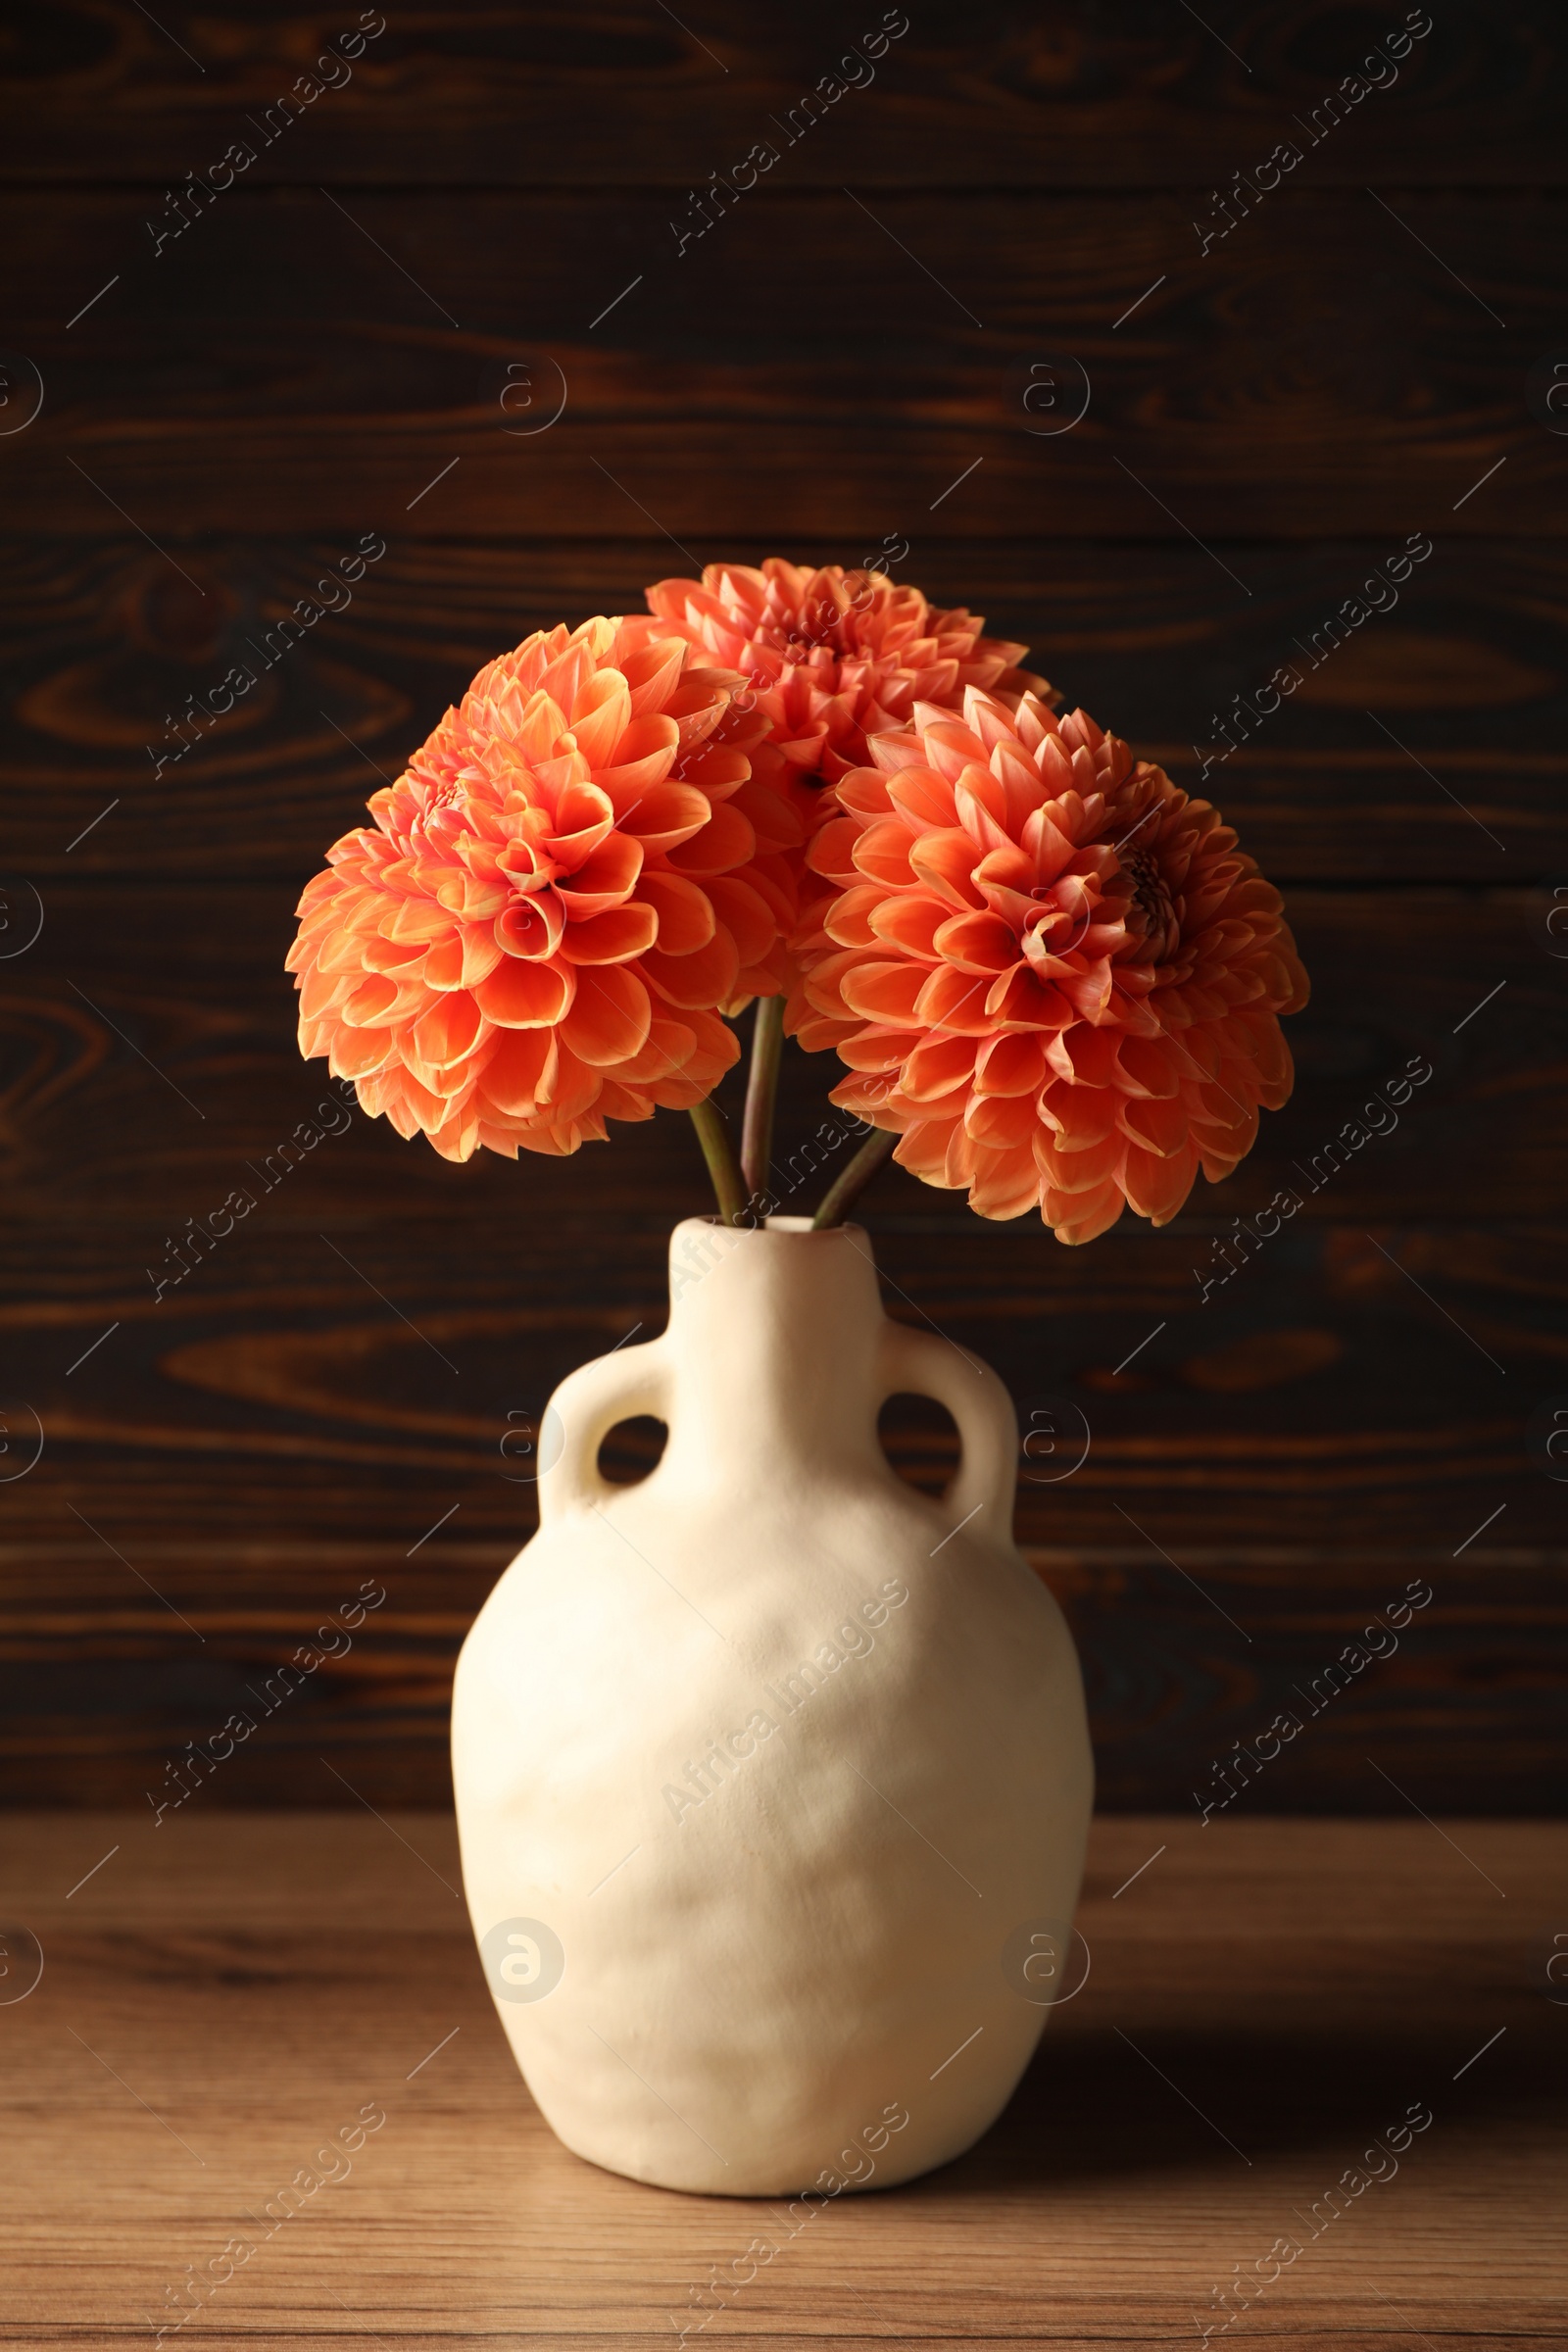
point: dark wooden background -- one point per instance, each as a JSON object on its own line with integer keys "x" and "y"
{"x": 225, "y": 417}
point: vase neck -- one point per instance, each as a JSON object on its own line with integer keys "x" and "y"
{"x": 774, "y": 1338}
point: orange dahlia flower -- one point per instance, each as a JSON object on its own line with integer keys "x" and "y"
{"x": 835, "y": 656}
{"x": 574, "y": 875}
{"x": 830, "y": 658}
{"x": 1048, "y": 968}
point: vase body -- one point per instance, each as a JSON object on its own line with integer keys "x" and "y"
{"x": 772, "y": 1775}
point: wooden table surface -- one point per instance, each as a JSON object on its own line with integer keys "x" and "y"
{"x": 1266, "y": 2000}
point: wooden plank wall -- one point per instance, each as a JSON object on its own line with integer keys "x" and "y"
{"x": 238, "y": 387}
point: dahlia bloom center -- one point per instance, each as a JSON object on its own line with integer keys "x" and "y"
{"x": 1154, "y": 914}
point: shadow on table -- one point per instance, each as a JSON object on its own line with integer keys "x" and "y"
{"x": 1097, "y": 2106}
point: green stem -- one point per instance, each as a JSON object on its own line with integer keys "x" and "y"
{"x": 761, "y": 1095}
{"x": 729, "y": 1185}
{"x": 844, "y": 1194}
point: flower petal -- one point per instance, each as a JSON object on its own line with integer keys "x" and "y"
{"x": 609, "y": 1017}
{"x": 883, "y": 992}
{"x": 700, "y": 980}
{"x": 685, "y": 911}
{"x": 613, "y": 937}
{"x": 525, "y": 995}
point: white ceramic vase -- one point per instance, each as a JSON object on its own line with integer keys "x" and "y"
{"x": 772, "y": 1775}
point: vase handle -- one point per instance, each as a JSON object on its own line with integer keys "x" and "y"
{"x": 580, "y": 1415}
{"x": 919, "y": 1363}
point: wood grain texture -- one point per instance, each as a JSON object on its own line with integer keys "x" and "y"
{"x": 121, "y": 1650}
{"x": 365, "y": 1388}
{"x": 1422, "y": 748}
{"x": 167, "y": 1012}
{"x": 347, "y": 1365}
{"x": 607, "y": 95}
{"x": 1263, "y": 2002}
{"x": 834, "y": 368}
{"x": 294, "y": 366}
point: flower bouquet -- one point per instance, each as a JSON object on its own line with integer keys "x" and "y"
{"x": 1052, "y": 981}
